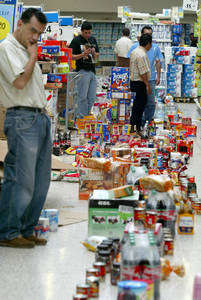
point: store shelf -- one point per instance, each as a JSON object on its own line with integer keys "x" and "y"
{"x": 46, "y": 62}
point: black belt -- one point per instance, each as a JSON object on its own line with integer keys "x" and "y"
{"x": 34, "y": 109}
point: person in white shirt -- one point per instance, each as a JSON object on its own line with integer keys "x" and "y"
{"x": 122, "y": 47}
{"x": 27, "y": 166}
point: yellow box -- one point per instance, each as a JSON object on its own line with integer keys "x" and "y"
{"x": 186, "y": 224}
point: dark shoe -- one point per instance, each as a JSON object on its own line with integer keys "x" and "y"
{"x": 18, "y": 242}
{"x": 37, "y": 241}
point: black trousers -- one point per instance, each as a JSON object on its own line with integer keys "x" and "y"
{"x": 139, "y": 103}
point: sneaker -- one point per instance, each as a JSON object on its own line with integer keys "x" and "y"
{"x": 37, "y": 241}
{"x": 18, "y": 242}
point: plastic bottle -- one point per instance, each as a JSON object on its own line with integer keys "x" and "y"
{"x": 56, "y": 145}
{"x": 165, "y": 207}
{"x": 96, "y": 110}
{"x": 160, "y": 112}
{"x": 141, "y": 260}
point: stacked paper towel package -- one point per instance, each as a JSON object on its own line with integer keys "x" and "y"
{"x": 161, "y": 33}
{"x": 180, "y": 71}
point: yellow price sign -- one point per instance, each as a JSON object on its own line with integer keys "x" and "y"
{"x": 4, "y": 28}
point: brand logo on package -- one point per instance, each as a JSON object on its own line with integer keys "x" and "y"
{"x": 191, "y": 5}
{"x": 104, "y": 203}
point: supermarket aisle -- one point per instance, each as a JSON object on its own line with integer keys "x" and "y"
{"x": 46, "y": 273}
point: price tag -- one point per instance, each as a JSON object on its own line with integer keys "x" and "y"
{"x": 191, "y": 5}
{"x": 52, "y": 31}
{"x": 4, "y": 28}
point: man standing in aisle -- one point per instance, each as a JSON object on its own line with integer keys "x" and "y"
{"x": 139, "y": 80}
{"x": 122, "y": 47}
{"x": 85, "y": 52}
{"x": 27, "y": 166}
{"x": 155, "y": 58}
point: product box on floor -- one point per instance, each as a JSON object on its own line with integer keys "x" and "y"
{"x": 94, "y": 179}
{"x": 108, "y": 216}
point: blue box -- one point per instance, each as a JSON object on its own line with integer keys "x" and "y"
{"x": 174, "y": 68}
{"x": 50, "y": 49}
{"x": 54, "y": 78}
{"x": 188, "y": 67}
{"x": 173, "y": 76}
{"x": 120, "y": 79}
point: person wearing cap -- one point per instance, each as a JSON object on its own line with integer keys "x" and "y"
{"x": 139, "y": 80}
{"x": 155, "y": 58}
{"x": 122, "y": 47}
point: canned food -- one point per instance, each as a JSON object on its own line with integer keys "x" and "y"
{"x": 82, "y": 289}
{"x": 139, "y": 215}
{"x": 80, "y": 296}
{"x": 94, "y": 286}
{"x": 151, "y": 219}
{"x": 168, "y": 246}
{"x": 102, "y": 269}
{"x": 92, "y": 272}
{"x": 104, "y": 256}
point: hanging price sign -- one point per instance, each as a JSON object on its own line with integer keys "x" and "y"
{"x": 191, "y": 5}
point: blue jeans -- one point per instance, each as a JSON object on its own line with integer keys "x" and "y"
{"x": 150, "y": 106}
{"x": 27, "y": 169}
{"x": 86, "y": 93}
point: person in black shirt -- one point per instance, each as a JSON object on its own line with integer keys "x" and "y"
{"x": 85, "y": 52}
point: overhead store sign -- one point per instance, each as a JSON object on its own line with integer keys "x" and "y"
{"x": 191, "y": 5}
{"x": 66, "y": 28}
{"x": 7, "y": 17}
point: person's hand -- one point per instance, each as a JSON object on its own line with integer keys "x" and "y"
{"x": 158, "y": 81}
{"x": 93, "y": 51}
{"x": 86, "y": 52}
{"x": 149, "y": 91}
{"x": 33, "y": 50}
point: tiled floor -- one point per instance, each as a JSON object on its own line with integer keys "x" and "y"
{"x": 52, "y": 272}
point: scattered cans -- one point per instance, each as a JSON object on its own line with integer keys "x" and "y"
{"x": 83, "y": 289}
{"x": 102, "y": 269}
{"x": 92, "y": 272}
{"x": 80, "y": 297}
{"x": 93, "y": 282}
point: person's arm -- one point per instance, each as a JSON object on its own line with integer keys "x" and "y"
{"x": 158, "y": 71}
{"x": 21, "y": 81}
{"x": 144, "y": 71}
{"x": 83, "y": 54}
{"x": 146, "y": 82}
{"x": 159, "y": 59}
{"x": 95, "y": 50}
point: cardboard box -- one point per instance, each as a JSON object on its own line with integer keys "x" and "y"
{"x": 108, "y": 216}
{"x": 92, "y": 179}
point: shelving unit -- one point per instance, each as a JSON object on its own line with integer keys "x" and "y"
{"x": 106, "y": 34}
{"x": 161, "y": 32}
